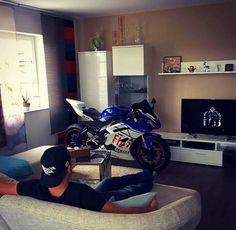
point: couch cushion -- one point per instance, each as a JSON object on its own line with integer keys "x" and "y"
{"x": 142, "y": 200}
{"x": 14, "y": 167}
{"x": 5, "y": 177}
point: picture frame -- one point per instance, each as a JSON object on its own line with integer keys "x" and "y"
{"x": 229, "y": 67}
{"x": 172, "y": 64}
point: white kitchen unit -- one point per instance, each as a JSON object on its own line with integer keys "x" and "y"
{"x": 200, "y": 149}
{"x": 131, "y": 60}
{"x": 96, "y": 80}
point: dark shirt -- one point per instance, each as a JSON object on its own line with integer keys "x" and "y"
{"x": 78, "y": 195}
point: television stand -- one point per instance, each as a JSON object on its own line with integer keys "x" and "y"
{"x": 208, "y": 137}
{"x": 195, "y": 148}
{"x": 231, "y": 138}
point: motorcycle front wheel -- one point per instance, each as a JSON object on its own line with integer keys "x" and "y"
{"x": 155, "y": 156}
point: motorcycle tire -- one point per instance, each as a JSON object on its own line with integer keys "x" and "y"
{"x": 155, "y": 159}
{"x": 72, "y": 134}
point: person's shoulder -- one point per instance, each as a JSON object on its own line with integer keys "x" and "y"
{"x": 30, "y": 182}
{"x": 27, "y": 187}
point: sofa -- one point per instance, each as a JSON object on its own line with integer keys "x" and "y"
{"x": 179, "y": 208}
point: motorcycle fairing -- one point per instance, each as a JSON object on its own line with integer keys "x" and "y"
{"x": 120, "y": 137}
{"x": 79, "y": 107}
{"x": 115, "y": 110}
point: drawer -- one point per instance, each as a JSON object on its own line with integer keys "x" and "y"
{"x": 175, "y": 154}
{"x": 202, "y": 156}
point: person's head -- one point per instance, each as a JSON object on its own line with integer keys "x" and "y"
{"x": 55, "y": 162}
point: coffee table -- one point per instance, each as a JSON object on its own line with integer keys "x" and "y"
{"x": 92, "y": 169}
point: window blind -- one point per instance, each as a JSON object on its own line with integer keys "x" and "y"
{"x": 53, "y": 37}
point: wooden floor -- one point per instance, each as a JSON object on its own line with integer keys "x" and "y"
{"x": 217, "y": 186}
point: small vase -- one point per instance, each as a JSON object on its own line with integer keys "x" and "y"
{"x": 26, "y": 106}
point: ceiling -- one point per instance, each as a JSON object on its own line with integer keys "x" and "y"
{"x": 92, "y": 8}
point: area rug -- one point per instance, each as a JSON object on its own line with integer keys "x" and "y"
{"x": 86, "y": 172}
{"x": 121, "y": 164}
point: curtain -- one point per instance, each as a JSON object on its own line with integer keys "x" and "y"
{"x": 12, "y": 109}
{"x": 70, "y": 63}
{"x": 52, "y": 30}
{"x": 58, "y": 38}
{"x": 2, "y": 130}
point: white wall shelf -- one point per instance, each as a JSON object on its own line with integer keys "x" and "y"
{"x": 197, "y": 73}
{"x": 214, "y": 67}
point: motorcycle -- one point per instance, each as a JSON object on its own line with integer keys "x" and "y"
{"x": 123, "y": 130}
{"x": 86, "y": 131}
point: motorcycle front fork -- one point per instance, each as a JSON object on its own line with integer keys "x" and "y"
{"x": 146, "y": 142}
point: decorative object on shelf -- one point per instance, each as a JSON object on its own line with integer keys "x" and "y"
{"x": 217, "y": 67}
{"x": 229, "y": 67}
{"x": 96, "y": 43}
{"x": 206, "y": 67}
{"x": 172, "y": 64}
{"x": 138, "y": 35}
{"x": 115, "y": 38}
{"x": 26, "y": 103}
{"x": 121, "y": 29}
{"x": 191, "y": 68}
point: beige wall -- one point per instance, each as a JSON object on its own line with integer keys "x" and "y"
{"x": 195, "y": 33}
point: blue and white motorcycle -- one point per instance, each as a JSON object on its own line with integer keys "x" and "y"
{"x": 123, "y": 130}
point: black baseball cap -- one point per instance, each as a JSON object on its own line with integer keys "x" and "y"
{"x": 54, "y": 161}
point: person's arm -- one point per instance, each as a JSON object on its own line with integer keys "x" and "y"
{"x": 112, "y": 208}
{"x": 7, "y": 187}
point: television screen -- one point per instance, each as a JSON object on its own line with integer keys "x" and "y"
{"x": 208, "y": 116}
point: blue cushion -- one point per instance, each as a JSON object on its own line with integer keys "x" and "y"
{"x": 138, "y": 201}
{"x": 14, "y": 167}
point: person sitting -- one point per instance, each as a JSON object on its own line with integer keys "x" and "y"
{"x": 54, "y": 186}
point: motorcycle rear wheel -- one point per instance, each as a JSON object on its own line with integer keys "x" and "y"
{"x": 156, "y": 158}
{"x": 72, "y": 136}
{"x": 75, "y": 138}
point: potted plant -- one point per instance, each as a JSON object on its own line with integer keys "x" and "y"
{"x": 26, "y": 102}
{"x": 96, "y": 42}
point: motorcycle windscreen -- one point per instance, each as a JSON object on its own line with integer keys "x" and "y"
{"x": 145, "y": 107}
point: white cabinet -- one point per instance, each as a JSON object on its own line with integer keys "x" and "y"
{"x": 201, "y": 150}
{"x": 130, "y": 60}
{"x": 96, "y": 81}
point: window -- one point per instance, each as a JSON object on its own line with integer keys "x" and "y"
{"x": 31, "y": 64}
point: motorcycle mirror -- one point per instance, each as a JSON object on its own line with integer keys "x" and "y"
{"x": 153, "y": 102}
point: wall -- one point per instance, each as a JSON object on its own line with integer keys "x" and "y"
{"x": 38, "y": 129}
{"x": 195, "y": 33}
{"x": 27, "y": 21}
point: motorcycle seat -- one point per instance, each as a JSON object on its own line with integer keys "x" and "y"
{"x": 91, "y": 112}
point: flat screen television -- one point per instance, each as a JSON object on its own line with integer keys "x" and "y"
{"x": 208, "y": 116}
